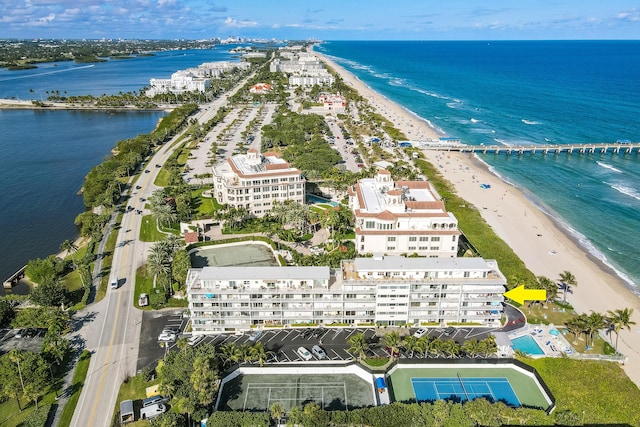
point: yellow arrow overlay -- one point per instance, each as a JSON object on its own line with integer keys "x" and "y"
{"x": 520, "y": 294}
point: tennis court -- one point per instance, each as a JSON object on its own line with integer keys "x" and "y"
{"x": 463, "y": 389}
{"x": 257, "y": 392}
{"x": 501, "y": 382}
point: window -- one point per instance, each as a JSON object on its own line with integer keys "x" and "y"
{"x": 391, "y": 239}
{"x": 412, "y": 248}
{"x": 370, "y": 224}
{"x": 435, "y": 238}
{"x": 412, "y": 238}
{"x": 424, "y": 238}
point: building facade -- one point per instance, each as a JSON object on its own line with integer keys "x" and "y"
{"x": 254, "y": 181}
{"x": 364, "y": 291}
{"x": 403, "y": 217}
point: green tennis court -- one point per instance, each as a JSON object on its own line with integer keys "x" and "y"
{"x": 257, "y": 392}
{"x": 443, "y": 382}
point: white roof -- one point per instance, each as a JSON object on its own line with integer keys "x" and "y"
{"x": 265, "y": 273}
{"x": 396, "y": 263}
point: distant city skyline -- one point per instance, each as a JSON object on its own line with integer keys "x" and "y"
{"x": 325, "y": 20}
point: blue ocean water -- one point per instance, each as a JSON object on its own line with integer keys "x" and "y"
{"x": 530, "y": 92}
{"x": 45, "y": 155}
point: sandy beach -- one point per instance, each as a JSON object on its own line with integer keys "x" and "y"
{"x": 545, "y": 247}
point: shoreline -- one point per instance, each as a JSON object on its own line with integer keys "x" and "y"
{"x": 564, "y": 227}
{"x": 21, "y": 104}
{"x": 542, "y": 242}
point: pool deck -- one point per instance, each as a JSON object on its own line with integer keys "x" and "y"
{"x": 552, "y": 345}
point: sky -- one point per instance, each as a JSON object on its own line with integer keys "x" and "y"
{"x": 322, "y": 20}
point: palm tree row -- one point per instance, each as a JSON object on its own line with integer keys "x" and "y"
{"x": 425, "y": 347}
{"x": 231, "y": 354}
{"x": 589, "y": 324}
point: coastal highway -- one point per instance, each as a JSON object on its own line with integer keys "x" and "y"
{"x": 113, "y": 334}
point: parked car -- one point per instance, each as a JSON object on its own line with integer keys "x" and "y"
{"x": 253, "y": 336}
{"x": 153, "y": 400}
{"x": 391, "y": 353}
{"x": 19, "y": 333}
{"x": 143, "y": 300}
{"x": 318, "y": 352}
{"x": 304, "y": 353}
{"x": 449, "y": 331}
{"x": 421, "y": 332}
{"x": 166, "y": 337}
{"x": 195, "y": 339}
{"x": 152, "y": 411}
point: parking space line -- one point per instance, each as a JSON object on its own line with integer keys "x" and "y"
{"x": 337, "y": 355}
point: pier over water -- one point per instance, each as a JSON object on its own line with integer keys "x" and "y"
{"x": 596, "y": 148}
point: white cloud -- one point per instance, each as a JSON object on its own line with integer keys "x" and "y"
{"x": 234, "y": 23}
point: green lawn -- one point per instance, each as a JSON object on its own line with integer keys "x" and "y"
{"x": 78, "y": 382}
{"x": 601, "y": 389}
{"x": 148, "y": 230}
{"x": 204, "y": 206}
{"x": 106, "y": 263}
{"x": 133, "y": 388}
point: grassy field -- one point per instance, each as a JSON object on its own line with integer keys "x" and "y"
{"x": 133, "y": 388}
{"x": 599, "y": 390}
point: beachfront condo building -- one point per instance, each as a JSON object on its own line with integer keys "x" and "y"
{"x": 255, "y": 180}
{"x": 364, "y": 291}
{"x": 403, "y": 217}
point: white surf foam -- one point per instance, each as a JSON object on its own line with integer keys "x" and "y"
{"x": 530, "y": 122}
{"x": 607, "y": 166}
{"x": 626, "y": 190}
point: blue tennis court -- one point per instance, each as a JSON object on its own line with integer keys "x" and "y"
{"x": 462, "y": 389}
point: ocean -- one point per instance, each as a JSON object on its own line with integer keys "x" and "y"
{"x": 530, "y": 92}
{"x": 45, "y": 155}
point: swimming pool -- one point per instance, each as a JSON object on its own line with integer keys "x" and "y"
{"x": 315, "y": 199}
{"x": 526, "y": 344}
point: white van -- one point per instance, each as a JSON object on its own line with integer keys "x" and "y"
{"x": 152, "y": 411}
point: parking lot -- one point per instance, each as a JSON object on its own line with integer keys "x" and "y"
{"x": 28, "y": 339}
{"x": 283, "y": 343}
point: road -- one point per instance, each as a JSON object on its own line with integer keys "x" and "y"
{"x": 113, "y": 334}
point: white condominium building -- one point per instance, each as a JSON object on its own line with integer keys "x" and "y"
{"x": 364, "y": 291}
{"x": 256, "y": 180}
{"x": 403, "y": 217}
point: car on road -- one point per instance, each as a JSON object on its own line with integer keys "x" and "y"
{"x": 143, "y": 300}
{"x": 19, "y": 333}
{"x": 114, "y": 283}
{"x": 253, "y": 336}
{"x": 304, "y": 353}
{"x": 147, "y": 171}
{"x": 421, "y": 332}
{"x": 449, "y": 331}
{"x": 318, "y": 352}
{"x": 167, "y": 337}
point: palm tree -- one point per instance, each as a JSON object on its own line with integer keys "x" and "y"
{"x": 567, "y": 279}
{"x": 277, "y": 411}
{"x": 436, "y": 347}
{"x": 157, "y": 264}
{"x": 393, "y": 341}
{"x": 450, "y": 348}
{"x": 422, "y": 346}
{"x": 229, "y": 354}
{"x": 68, "y": 246}
{"x": 621, "y": 318}
{"x": 576, "y": 326}
{"x": 595, "y": 322}
{"x": 411, "y": 345}
{"x": 471, "y": 347}
{"x": 548, "y": 285}
{"x": 359, "y": 345}
{"x": 258, "y": 353}
{"x": 488, "y": 346}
